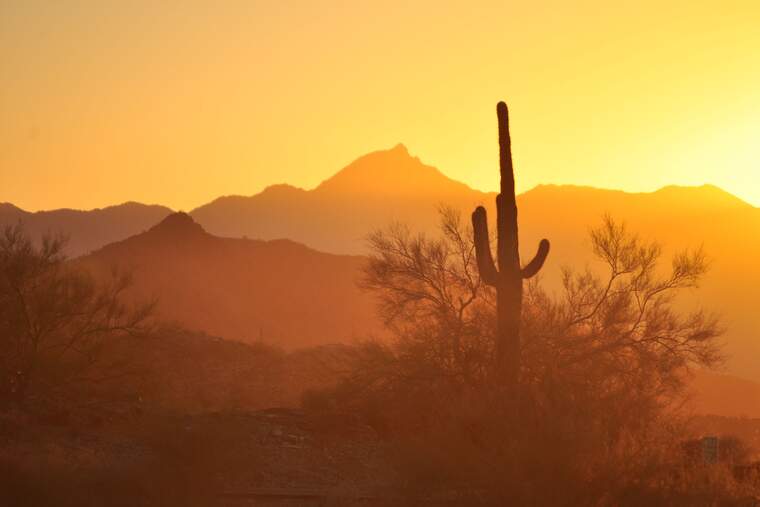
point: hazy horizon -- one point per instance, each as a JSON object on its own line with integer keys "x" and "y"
{"x": 179, "y": 103}
{"x": 412, "y": 155}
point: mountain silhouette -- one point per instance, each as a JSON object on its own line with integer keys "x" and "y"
{"x": 86, "y": 230}
{"x": 374, "y": 190}
{"x": 390, "y": 172}
{"x": 279, "y": 291}
{"x": 285, "y": 294}
{"x": 677, "y": 217}
{"x": 392, "y": 185}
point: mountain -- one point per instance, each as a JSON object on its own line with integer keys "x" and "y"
{"x": 677, "y": 217}
{"x": 278, "y": 292}
{"x": 376, "y": 189}
{"x": 392, "y": 185}
{"x": 86, "y": 230}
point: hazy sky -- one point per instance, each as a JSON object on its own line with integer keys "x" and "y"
{"x": 179, "y": 102}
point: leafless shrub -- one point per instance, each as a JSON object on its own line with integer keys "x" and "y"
{"x": 603, "y": 364}
{"x": 55, "y": 321}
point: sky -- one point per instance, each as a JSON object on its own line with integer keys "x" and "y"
{"x": 180, "y": 102}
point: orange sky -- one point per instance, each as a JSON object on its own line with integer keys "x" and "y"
{"x": 178, "y": 103}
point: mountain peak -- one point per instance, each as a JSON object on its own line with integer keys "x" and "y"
{"x": 10, "y": 208}
{"x": 282, "y": 189}
{"x": 401, "y": 149}
{"x": 178, "y": 225}
{"x": 389, "y": 172}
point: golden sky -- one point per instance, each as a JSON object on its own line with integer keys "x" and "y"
{"x": 180, "y": 102}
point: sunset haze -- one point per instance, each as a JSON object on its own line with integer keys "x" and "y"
{"x": 177, "y": 103}
{"x": 379, "y": 253}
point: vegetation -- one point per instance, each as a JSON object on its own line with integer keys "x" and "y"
{"x": 595, "y": 418}
{"x": 54, "y": 323}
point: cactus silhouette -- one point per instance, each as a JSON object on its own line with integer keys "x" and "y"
{"x": 507, "y": 279}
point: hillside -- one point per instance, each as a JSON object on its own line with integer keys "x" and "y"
{"x": 279, "y": 292}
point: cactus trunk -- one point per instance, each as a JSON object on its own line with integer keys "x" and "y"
{"x": 508, "y": 276}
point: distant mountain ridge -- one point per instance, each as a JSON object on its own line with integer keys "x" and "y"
{"x": 374, "y": 190}
{"x": 86, "y": 230}
{"x": 392, "y": 185}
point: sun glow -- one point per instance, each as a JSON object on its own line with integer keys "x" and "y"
{"x": 178, "y": 103}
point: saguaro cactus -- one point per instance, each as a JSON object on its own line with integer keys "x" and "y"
{"x": 507, "y": 279}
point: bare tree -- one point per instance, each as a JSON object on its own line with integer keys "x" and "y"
{"x": 623, "y": 323}
{"x": 55, "y": 320}
{"x": 613, "y": 331}
{"x": 431, "y": 298}
{"x": 603, "y": 364}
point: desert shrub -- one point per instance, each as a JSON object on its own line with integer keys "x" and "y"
{"x": 594, "y": 420}
{"x": 55, "y": 322}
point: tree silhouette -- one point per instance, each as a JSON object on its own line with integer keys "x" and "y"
{"x": 54, "y": 320}
{"x": 603, "y": 367}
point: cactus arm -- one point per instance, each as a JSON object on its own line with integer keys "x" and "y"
{"x": 486, "y": 266}
{"x": 533, "y": 267}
